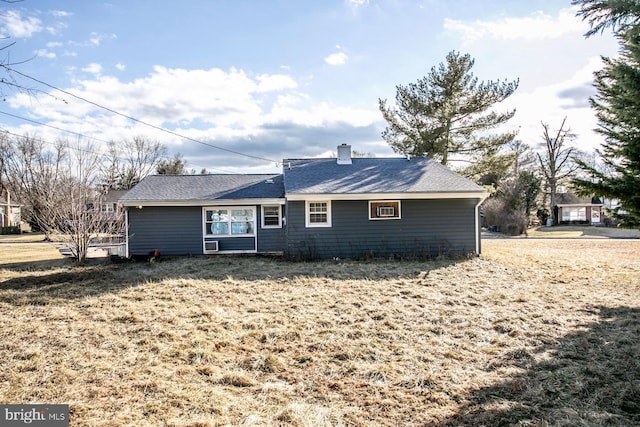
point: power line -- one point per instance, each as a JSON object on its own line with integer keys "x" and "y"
{"x": 137, "y": 120}
{"x": 105, "y": 156}
{"x": 52, "y": 127}
{"x": 66, "y": 145}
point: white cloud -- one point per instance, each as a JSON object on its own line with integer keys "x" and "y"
{"x": 53, "y": 44}
{"x": 43, "y": 53}
{"x": 93, "y": 68}
{"x": 96, "y": 39}
{"x": 275, "y": 82}
{"x": 13, "y": 24}
{"x": 551, "y": 103}
{"x": 537, "y": 26}
{"x": 60, "y": 13}
{"x": 339, "y": 58}
{"x": 290, "y": 99}
{"x": 56, "y": 28}
{"x": 120, "y": 66}
{"x": 263, "y": 114}
{"x": 357, "y": 3}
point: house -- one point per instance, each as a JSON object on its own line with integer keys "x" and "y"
{"x": 576, "y": 210}
{"x": 10, "y": 213}
{"x": 317, "y": 208}
{"x": 204, "y": 214}
{"x": 109, "y": 203}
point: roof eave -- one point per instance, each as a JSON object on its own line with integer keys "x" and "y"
{"x": 569, "y": 205}
{"x": 368, "y": 196}
{"x": 207, "y": 202}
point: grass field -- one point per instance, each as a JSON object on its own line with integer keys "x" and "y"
{"x": 578, "y": 231}
{"x": 534, "y": 332}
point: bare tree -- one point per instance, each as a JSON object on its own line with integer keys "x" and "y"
{"x": 355, "y": 154}
{"x": 58, "y": 189}
{"x": 33, "y": 174}
{"x": 523, "y": 156}
{"x": 556, "y": 163}
{"x": 78, "y": 216}
{"x": 127, "y": 162}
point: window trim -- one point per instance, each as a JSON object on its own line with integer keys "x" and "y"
{"x": 307, "y": 214}
{"x": 384, "y": 218}
{"x": 207, "y": 233}
{"x": 567, "y": 212}
{"x": 279, "y": 216}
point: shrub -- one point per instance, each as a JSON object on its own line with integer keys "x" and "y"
{"x": 493, "y": 210}
{"x": 514, "y": 223}
{"x": 543, "y": 215}
{"x": 10, "y": 230}
{"x": 497, "y": 213}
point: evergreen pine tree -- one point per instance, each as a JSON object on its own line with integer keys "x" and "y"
{"x": 448, "y": 112}
{"x": 617, "y": 106}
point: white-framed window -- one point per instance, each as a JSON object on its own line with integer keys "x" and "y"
{"x": 384, "y": 209}
{"x": 272, "y": 216}
{"x": 318, "y": 213}
{"x": 229, "y": 221}
{"x": 108, "y": 207}
{"x": 574, "y": 213}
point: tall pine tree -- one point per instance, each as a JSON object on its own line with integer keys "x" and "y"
{"x": 617, "y": 106}
{"x": 448, "y": 112}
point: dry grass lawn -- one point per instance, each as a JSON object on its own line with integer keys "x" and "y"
{"x": 534, "y": 332}
{"x": 573, "y": 231}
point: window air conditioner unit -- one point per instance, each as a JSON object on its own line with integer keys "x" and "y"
{"x": 385, "y": 211}
{"x": 211, "y": 246}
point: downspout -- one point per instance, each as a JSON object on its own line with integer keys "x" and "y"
{"x": 478, "y": 234}
{"x": 126, "y": 232}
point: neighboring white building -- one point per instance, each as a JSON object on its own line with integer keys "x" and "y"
{"x": 10, "y": 214}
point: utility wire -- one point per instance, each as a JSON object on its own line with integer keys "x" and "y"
{"x": 65, "y": 145}
{"x": 53, "y": 127}
{"x": 105, "y": 156}
{"x": 136, "y": 120}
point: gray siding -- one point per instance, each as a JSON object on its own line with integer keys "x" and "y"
{"x": 170, "y": 230}
{"x": 427, "y": 228}
{"x": 244, "y": 244}
{"x": 178, "y": 231}
{"x": 270, "y": 240}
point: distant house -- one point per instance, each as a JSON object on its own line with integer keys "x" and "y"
{"x": 109, "y": 204}
{"x": 10, "y": 213}
{"x": 315, "y": 209}
{"x": 576, "y": 210}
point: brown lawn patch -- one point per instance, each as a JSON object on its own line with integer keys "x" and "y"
{"x": 578, "y": 231}
{"x": 534, "y": 332}
{"x": 29, "y": 255}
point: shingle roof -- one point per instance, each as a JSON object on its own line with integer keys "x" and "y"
{"x": 184, "y": 188}
{"x": 572, "y": 199}
{"x": 373, "y": 175}
{"x": 114, "y": 195}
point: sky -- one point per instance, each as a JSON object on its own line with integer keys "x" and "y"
{"x": 237, "y": 86}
